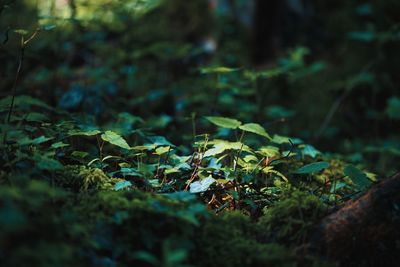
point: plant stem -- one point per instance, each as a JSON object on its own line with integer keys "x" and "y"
{"x": 14, "y": 88}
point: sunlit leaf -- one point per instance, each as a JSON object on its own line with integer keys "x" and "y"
{"x": 122, "y": 185}
{"x": 115, "y": 139}
{"x": 217, "y": 70}
{"x": 202, "y": 185}
{"x": 162, "y": 150}
{"x": 224, "y": 122}
{"x": 269, "y": 151}
{"x": 254, "y": 128}
{"x": 222, "y": 146}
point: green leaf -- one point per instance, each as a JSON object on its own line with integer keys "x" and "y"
{"x": 162, "y": 150}
{"x": 59, "y": 145}
{"x": 254, "y": 128}
{"x": 313, "y": 167}
{"x": 224, "y": 122}
{"x": 45, "y": 163}
{"x": 160, "y": 141}
{"x": 359, "y": 178}
{"x": 202, "y": 185}
{"x": 131, "y": 172}
{"x": 121, "y": 185}
{"x": 221, "y": 146}
{"x": 278, "y": 139}
{"x": 269, "y": 151}
{"x": 41, "y": 139}
{"x": 218, "y": 70}
{"x": 36, "y": 117}
{"x": 309, "y": 150}
{"x": 115, "y": 139}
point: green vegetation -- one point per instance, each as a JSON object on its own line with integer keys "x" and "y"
{"x": 126, "y": 141}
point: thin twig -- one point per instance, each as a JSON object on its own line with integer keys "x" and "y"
{"x": 14, "y": 88}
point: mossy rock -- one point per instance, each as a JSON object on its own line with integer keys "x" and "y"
{"x": 290, "y": 219}
{"x": 44, "y": 226}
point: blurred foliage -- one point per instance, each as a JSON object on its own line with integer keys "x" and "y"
{"x": 135, "y": 122}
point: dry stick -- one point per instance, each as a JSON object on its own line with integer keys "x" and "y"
{"x": 21, "y": 60}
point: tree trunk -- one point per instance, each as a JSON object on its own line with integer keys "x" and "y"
{"x": 364, "y": 231}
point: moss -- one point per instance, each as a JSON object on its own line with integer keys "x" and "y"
{"x": 230, "y": 241}
{"x": 291, "y": 218}
{"x": 43, "y": 226}
{"x": 33, "y": 227}
{"x": 82, "y": 178}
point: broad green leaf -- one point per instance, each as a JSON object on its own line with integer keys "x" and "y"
{"x": 160, "y": 141}
{"x": 121, "y": 185}
{"x": 59, "y": 145}
{"x": 221, "y": 146}
{"x": 217, "y": 70}
{"x": 254, "y": 128}
{"x": 162, "y": 150}
{"x": 269, "y": 151}
{"x": 36, "y": 117}
{"x": 313, "y": 167}
{"x": 278, "y": 139}
{"x": 45, "y": 163}
{"x": 359, "y": 178}
{"x": 250, "y": 158}
{"x": 41, "y": 139}
{"x": 309, "y": 150}
{"x": 115, "y": 139}
{"x": 224, "y": 122}
{"x": 202, "y": 185}
{"x": 216, "y": 149}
